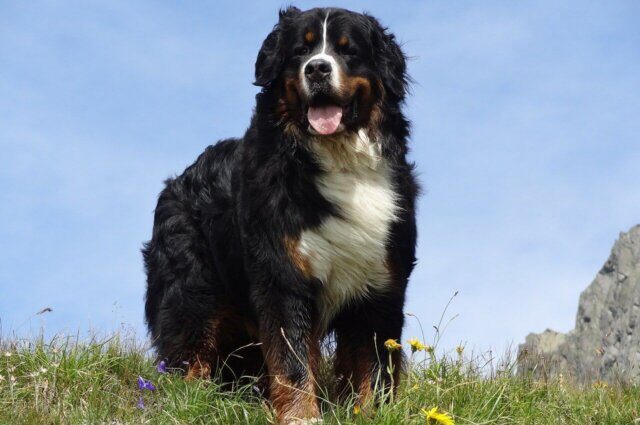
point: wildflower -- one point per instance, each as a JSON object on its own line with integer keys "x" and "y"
{"x": 459, "y": 349}
{"x": 356, "y": 409}
{"x": 392, "y": 345}
{"x": 416, "y": 345}
{"x": 144, "y": 384}
{"x": 600, "y": 385}
{"x": 439, "y": 418}
{"x": 428, "y": 348}
{"x": 43, "y": 370}
{"x": 162, "y": 367}
{"x": 140, "y": 404}
{"x": 7, "y": 353}
{"x": 256, "y": 389}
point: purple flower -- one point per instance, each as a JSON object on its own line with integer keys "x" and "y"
{"x": 144, "y": 384}
{"x": 140, "y": 403}
{"x": 162, "y": 367}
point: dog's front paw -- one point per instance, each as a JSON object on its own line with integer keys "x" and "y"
{"x": 307, "y": 421}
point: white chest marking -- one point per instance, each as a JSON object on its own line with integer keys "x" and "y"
{"x": 348, "y": 253}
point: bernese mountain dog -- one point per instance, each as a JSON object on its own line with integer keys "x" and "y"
{"x": 304, "y": 227}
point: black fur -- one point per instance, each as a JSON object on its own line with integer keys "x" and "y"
{"x": 218, "y": 272}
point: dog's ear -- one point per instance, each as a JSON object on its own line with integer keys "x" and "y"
{"x": 271, "y": 55}
{"x": 391, "y": 61}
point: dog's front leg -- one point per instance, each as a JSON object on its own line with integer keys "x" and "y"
{"x": 291, "y": 351}
{"x": 363, "y": 364}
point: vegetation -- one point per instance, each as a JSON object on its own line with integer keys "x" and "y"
{"x": 114, "y": 381}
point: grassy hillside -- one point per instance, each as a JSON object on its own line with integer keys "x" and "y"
{"x": 97, "y": 382}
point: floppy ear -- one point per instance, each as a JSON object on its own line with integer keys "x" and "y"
{"x": 271, "y": 55}
{"x": 390, "y": 59}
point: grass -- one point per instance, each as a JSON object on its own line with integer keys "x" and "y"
{"x": 95, "y": 382}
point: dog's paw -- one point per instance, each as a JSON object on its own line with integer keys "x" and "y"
{"x": 307, "y": 421}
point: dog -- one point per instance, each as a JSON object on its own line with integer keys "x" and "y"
{"x": 304, "y": 227}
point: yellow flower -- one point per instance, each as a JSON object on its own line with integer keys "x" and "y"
{"x": 460, "y": 349}
{"x": 356, "y": 409}
{"x": 392, "y": 345}
{"x": 416, "y": 345}
{"x": 600, "y": 385}
{"x": 439, "y": 418}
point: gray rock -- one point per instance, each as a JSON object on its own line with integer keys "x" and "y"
{"x": 605, "y": 344}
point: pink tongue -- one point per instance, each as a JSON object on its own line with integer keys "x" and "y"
{"x": 325, "y": 119}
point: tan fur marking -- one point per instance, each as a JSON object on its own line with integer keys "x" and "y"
{"x": 199, "y": 364}
{"x": 299, "y": 260}
{"x": 293, "y": 402}
{"x": 343, "y": 41}
{"x": 354, "y": 368}
{"x": 198, "y": 369}
{"x": 309, "y": 37}
{"x": 353, "y": 84}
{"x": 289, "y": 98}
{"x": 369, "y": 106}
{"x": 289, "y": 107}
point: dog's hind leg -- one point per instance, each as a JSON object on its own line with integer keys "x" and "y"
{"x": 185, "y": 300}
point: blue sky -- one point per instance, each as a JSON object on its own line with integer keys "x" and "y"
{"x": 526, "y": 136}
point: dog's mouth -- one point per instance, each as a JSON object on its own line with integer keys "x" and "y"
{"x": 326, "y": 115}
{"x": 326, "y": 119}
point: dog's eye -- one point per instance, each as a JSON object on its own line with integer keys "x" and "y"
{"x": 301, "y": 51}
{"x": 348, "y": 50}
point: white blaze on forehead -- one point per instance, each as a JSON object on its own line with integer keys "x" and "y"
{"x": 324, "y": 33}
{"x": 335, "y": 75}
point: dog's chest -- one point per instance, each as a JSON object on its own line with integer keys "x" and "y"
{"x": 347, "y": 253}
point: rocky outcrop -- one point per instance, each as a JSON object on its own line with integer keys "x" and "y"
{"x": 605, "y": 344}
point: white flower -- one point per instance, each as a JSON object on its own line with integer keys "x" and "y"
{"x": 43, "y": 370}
{"x": 7, "y": 353}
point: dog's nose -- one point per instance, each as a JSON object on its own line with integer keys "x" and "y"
{"x": 317, "y": 70}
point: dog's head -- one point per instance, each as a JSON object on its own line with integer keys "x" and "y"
{"x": 331, "y": 70}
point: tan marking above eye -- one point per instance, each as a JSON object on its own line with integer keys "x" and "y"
{"x": 309, "y": 37}
{"x": 343, "y": 41}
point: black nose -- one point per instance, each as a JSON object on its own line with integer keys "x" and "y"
{"x": 317, "y": 70}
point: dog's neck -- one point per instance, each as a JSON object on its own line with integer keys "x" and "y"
{"x": 346, "y": 151}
